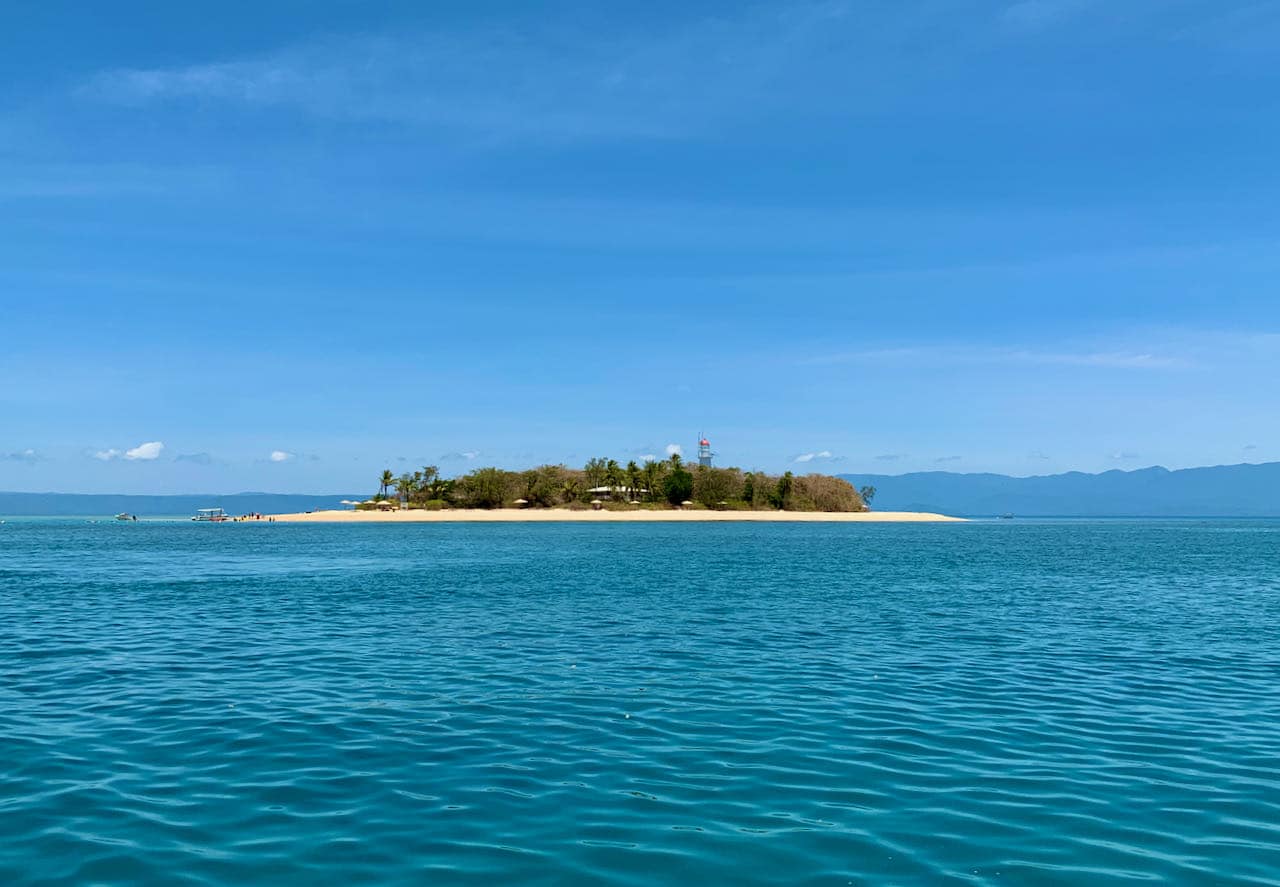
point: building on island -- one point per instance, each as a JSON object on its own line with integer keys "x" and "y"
{"x": 623, "y": 494}
{"x": 704, "y": 452}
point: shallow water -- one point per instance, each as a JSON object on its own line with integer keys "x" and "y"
{"x": 1002, "y": 703}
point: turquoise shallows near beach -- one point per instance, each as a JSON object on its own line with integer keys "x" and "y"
{"x": 985, "y": 703}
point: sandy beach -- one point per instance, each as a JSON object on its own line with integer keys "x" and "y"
{"x": 476, "y": 515}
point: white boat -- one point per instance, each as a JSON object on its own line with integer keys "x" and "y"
{"x": 124, "y": 515}
{"x": 214, "y": 515}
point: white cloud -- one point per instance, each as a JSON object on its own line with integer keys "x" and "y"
{"x": 811, "y": 457}
{"x": 648, "y": 457}
{"x": 107, "y": 455}
{"x": 281, "y": 456}
{"x": 28, "y": 455}
{"x": 1124, "y": 456}
{"x": 464, "y": 456}
{"x": 674, "y": 450}
{"x": 145, "y": 452}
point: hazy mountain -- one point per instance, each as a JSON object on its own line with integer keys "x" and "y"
{"x": 61, "y": 504}
{"x": 1223, "y": 490}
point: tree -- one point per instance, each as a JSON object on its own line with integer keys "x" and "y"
{"x": 782, "y": 495}
{"x": 711, "y": 486}
{"x": 387, "y": 480}
{"x": 595, "y": 470}
{"x": 633, "y": 478}
{"x": 404, "y": 487}
{"x": 678, "y": 486}
{"x": 613, "y": 476}
{"x": 487, "y": 487}
{"x": 867, "y": 493}
{"x": 822, "y": 492}
{"x": 652, "y": 475}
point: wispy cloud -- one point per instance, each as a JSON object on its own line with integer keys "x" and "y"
{"x": 555, "y": 79}
{"x": 942, "y": 459}
{"x": 143, "y": 452}
{"x": 1124, "y": 456}
{"x": 29, "y": 456}
{"x": 282, "y": 456}
{"x": 195, "y": 458}
{"x": 977, "y": 355}
{"x": 821, "y": 456}
{"x": 891, "y": 457}
{"x": 465, "y": 456}
{"x": 674, "y": 449}
{"x": 1035, "y": 15}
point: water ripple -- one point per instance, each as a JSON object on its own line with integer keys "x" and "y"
{"x": 990, "y": 704}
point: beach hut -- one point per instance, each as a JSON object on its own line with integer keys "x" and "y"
{"x": 521, "y": 503}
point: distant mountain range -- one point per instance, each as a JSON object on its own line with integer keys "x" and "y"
{"x": 1219, "y": 491}
{"x": 90, "y": 505}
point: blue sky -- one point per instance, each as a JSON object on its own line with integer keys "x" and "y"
{"x": 282, "y": 246}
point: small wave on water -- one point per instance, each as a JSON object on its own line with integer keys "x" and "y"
{"x": 748, "y": 704}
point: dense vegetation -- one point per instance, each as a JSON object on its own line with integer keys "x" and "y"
{"x": 669, "y": 483}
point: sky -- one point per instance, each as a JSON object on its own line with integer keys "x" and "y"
{"x": 282, "y": 246}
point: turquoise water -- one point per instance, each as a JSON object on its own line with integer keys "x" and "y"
{"x": 1001, "y": 703}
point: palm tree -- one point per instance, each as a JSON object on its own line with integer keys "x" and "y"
{"x": 387, "y": 480}
{"x": 652, "y": 470}
{"x": 613, "y": 476}
{"x": 633, "y": 478}
{"x": 404, "y": 487}
{"x": 595, "y": 471}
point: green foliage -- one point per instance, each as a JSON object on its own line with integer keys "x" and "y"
{"x": 782, "y": 491}
{"x": 678, "y": 485}
{"x": 596, "y": 471}
{"x": 712, "y": 486}
{"x": 487, "y": 488}
{"x": 667, "y": 482}
{"x": 867, "y": 493}
{"x": 546, "y": 485}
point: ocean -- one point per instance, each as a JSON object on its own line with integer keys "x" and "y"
{"x": 1009, "y": 702}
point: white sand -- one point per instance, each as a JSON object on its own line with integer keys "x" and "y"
{"x": 605, "y": 516}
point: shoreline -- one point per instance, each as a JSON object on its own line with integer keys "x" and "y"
{"x": 530, "y": 515}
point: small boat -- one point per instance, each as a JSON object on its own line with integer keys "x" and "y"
{"x": 124, "y": 515}
{"x": 211, "y": 515}
{"x": 1007, "y": 516}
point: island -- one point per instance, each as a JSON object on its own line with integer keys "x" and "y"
{"x": 605, "y": 490}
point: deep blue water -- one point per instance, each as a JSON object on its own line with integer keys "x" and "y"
{"x": 1000, "y": 703}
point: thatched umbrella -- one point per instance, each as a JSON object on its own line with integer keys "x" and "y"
{"x": 597, "y": 504}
